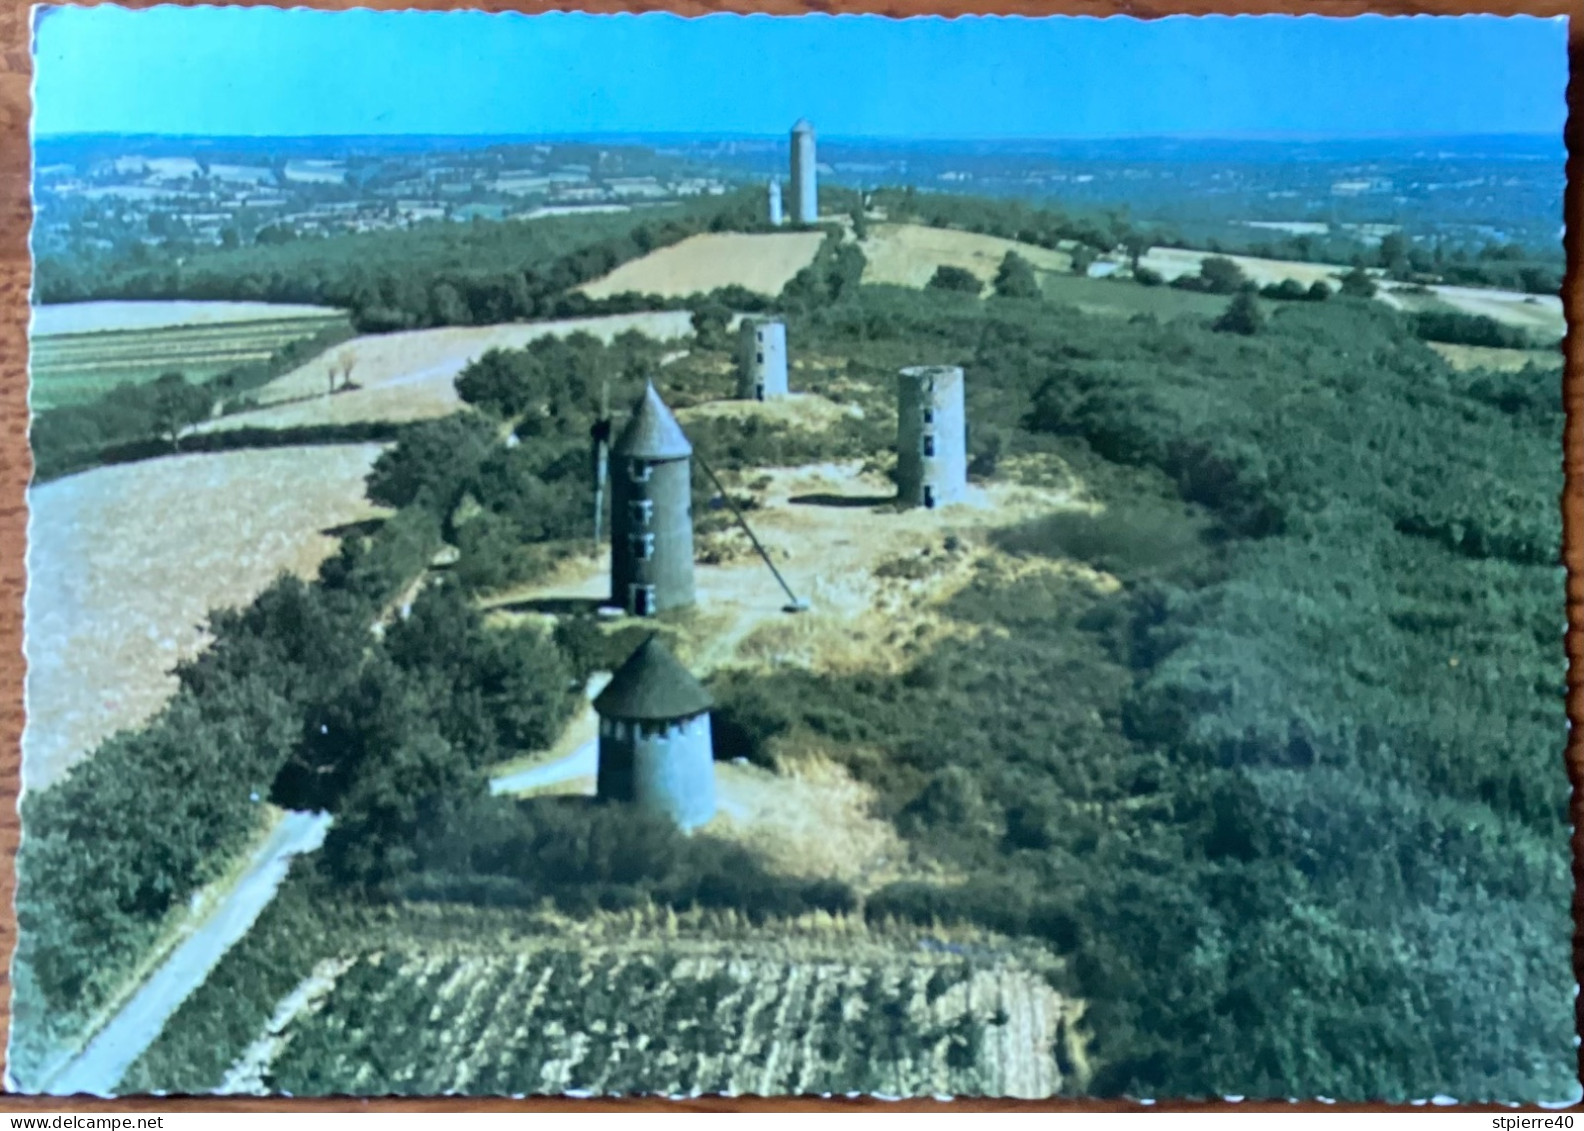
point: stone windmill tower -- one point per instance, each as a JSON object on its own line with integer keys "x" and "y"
{"x": 651, "y": 511}
{"x": 773, "y": 202}
{"x": 655, "y": 748}
{"x": 805, "y": 192}
{"x": 932, "y": 436}
{"x": 761, "y": 359}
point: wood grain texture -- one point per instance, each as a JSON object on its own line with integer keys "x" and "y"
{"x": 15, "y": 468}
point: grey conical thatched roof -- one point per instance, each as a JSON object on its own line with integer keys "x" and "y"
{"x": 652, "y": 686}
{"x": 652, "y": 432}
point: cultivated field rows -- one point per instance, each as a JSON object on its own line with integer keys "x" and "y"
{"x": 76, "y": 367}
{"x": 677, "y": 1016}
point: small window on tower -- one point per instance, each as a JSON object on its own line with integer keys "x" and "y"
{"x": 638, "y": 471}
{"x": 643, "y": 546}
{"x": 929, "y": 443}
{"x": 641, "y": 600}
{"x": 759, "y": 357}
{"x": 642, "y": 511}
{"x": 929, "y": 416}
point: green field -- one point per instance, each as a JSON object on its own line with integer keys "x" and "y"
{"x": 1125, "y": 298}
{"x": 77, "y": 368}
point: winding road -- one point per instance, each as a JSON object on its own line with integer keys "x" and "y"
{"x": 99, "y": 1067}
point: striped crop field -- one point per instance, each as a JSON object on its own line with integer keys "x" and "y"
{"x": 81, "y": 351}
{"x": 705, "y": 1006}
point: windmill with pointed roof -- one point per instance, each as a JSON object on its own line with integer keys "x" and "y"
{"x": 655, "y": 745}
{"x": 651, "y": 511}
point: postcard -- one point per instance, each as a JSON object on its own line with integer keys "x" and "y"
{"x": 631, "y": 555}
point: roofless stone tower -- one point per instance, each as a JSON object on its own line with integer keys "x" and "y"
{"x": 932, "y": 436}
{"x": 761, "y": 359}
{"x": 655, "y": 749}
{"x": 651, "y": 511}
{"x": 805, "y": 194}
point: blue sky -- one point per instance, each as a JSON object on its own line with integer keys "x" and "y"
{"x": 267, "y": 71}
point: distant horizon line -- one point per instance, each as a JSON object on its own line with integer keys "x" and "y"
{"x": 1536, "y": 135}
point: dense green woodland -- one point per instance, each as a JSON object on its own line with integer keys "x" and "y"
{"x": 1290, "y": 803}
{"x": 434, "y": 274}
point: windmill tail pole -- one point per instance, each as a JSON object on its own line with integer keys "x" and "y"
{"x": 795, "y": 605}
{"x": 601, "y": 471}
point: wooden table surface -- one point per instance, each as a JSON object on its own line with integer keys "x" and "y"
{"x": 15, "y": 467}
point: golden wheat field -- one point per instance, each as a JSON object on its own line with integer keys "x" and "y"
{"x": 125, "y": 561}
{"x": 907, "y": 255}
{"x": 412, "y": 375}
{"x": 763, "y": 263}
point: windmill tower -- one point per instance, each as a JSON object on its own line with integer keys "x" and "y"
{"x": 773, "y": 201}
{"x": 805, "y": 193}
{"x": 932, "y": 436}
{"x": 655, "y": 747}
{"x": 761, "y": 359}
{"x": 651, "y": 511}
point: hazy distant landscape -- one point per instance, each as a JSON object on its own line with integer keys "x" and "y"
{"x": 104, "y": 195}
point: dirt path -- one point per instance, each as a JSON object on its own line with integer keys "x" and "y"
{"x": 99, "y": 1067}
{"x": 581, "y": 763}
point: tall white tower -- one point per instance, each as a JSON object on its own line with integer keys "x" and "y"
{"x": 761, "y": 359}
{"x": 932, "y": 436}
{"x": 805, "y": 194}
{"x": 773, "y": 195}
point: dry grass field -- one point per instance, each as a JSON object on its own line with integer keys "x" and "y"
{"x": 907, "y": 254}
{"x": 1173, "y": 262}
{"x": 653, "y": 1002}
{"x": 1488, "y": 357}
{"x": 411, "y": 375}
{"x": 125, "y": 561}
{"x": 762, "y": 263}
{"x": 797, "y": 410}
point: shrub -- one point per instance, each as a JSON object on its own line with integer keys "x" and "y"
{"x": 947, "y": 278}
